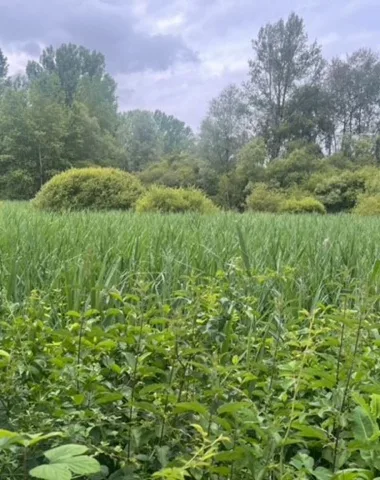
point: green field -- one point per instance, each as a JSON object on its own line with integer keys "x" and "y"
{"x": 219, "y": 347}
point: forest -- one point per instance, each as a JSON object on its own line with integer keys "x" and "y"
{"x": 299, "y": 127}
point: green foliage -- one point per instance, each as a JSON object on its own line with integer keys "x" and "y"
{"x": 340, "y": 192}
{"x": 294, "y": 169}
{"x": 264, "y": 199}
{"x": 240, "y": 370}
{"x": 251, "y": 161}
{"x": 139, "y": 135}
{"x": 232, "y": 191}
{"x": 368, "y": 205}
{"x": 64, "y": 462}
{"x": 181, "y": 170}
{"x": 174, "y": 200}
{"x": 303, "y": 205}
{"x": 89, "y": 188}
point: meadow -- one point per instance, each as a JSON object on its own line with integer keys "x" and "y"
{"x": 216, "y": 347}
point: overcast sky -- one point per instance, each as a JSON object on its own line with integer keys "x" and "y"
{"x": 176, "y": 55}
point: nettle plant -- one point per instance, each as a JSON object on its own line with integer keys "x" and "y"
{"x": 61, "y": 463}
{"x": 228, "y": 379}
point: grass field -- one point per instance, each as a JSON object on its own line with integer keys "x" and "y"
{"x": 81, "y": 252}
{"x": 220, "y": 347}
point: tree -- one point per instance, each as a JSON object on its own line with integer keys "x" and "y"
{"x": 354, "y": 88}
{"x": 251, "y": 160}
{"x": 176, "y": 136}
{"x": 309, "y": 117}
{"x": 87, "y": 144}
{"x": 71, "y": 63}
{"x": 47, "y": 125}
{"x": 3, "y": 66}
{"x": 225, "y": 129}
{"x": 139, "y": 135}
{"x": 98, "y": 93}
{"x": 284, "y": 61}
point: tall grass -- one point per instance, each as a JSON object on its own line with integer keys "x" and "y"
{"x": 83, "y": 253}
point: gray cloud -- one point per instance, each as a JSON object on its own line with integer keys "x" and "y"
{"x": 107, "y": 26}
{"x": 177, "y": 54}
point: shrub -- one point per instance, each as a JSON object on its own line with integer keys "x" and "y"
{"x": 303, "y": 205}
{"x": 90, "y": 188}
{"x": 174, "y": 200}
{"x": 17, "y": 185}
{"x": 340, "y": 192}
{"x": 368, "y": 205}
{"x": 263, "y": 199}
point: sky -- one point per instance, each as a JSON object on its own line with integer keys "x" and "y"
{"x": 176, "y": 55}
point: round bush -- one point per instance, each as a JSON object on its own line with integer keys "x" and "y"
{"x": 90, "y": 188}
{"x": 263, "y": 199}
{"x": 303, "y": 205}
{"x": 368, "y": 205}
{"x": 174, "y": 200}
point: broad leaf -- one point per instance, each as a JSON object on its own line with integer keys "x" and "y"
{"x": 364, "y": 427}
{"x": 65, "y": 451}
{"x": 51, "y": 472}
{"x": 82, "y": 465}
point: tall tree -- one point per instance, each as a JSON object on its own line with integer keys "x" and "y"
{"x": 354, "y": 87}
{"x": 176, "y": 136}
{"x": 139, "y": 135}
{"x": 3, "y": 65}
{"x": 283, "y": 61}
{"x": 225, "y": 129}
{"x": 70, "y": 62}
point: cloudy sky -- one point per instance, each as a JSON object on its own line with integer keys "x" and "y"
{"x": 176, "y": 55}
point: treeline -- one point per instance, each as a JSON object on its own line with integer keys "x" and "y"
{"x": 299, "y": 124}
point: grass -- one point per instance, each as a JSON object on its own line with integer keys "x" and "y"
{"x": 219, "y": 347}
{"x": 83, "y": 253}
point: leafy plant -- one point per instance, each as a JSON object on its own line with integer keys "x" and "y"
{"x": 89, "y": 188}
{"x": 174, "y": 200}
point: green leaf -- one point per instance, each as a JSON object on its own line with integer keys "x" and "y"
{"x": 109, "y": 398}
{"x": 308, "y": 431}
{"x": 36, "y": 439}
{"x": 162, "y": 455}
{"x": 375, "y": 405}
{"x": 353, "y": 474}
{"x": 234, "y": 407}
{"x": 322, "y": 473}
{"x": 364, "y": 426}
{"x": 51, "y": 472}
{"x": 65, "y": 451}
{"x": 186, "y": 407}
{"x": 7, "y": 438}
{"x": 82, "y": 465}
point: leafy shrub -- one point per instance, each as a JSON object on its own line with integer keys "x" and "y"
{"x": 174, "y": 200}
{"x": 181, "y": 170}
{"x": 303, "y": 205}
{"x": 340, "y": 192}
{"x": 263, "y": 199}
{"x": 294, "y": 169}
{"x": 90, "y": 188}
{"x": 368, "y": 205}
{"x": 17, "y": 185}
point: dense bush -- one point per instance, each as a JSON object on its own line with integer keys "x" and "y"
{"x": 368, "y": 205}
{"x": 294, "y": 169}
{"x": 17, "y": 185}
{"x": 90, "y": 188}
{"x": 303, "y": 205}
{"x": 340, "y": 192}
{"x": 179, "y": 170}
{"x": 174, "y": 200}
{"x": 263, "y": 199}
